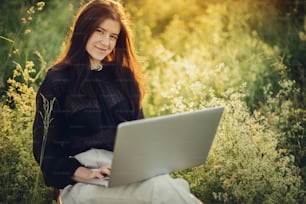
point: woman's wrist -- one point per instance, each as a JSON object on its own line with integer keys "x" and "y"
{"x": 82, "y": 173}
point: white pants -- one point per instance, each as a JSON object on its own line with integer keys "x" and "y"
{"x": 157, "y": 190}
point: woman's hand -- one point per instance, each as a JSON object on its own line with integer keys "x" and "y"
{"x": 83, "y": 173}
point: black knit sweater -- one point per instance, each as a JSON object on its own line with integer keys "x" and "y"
{"x": 81, "y": 120}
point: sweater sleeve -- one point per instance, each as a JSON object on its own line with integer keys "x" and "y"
{"x": 140, "y": 115}
{"x": 57, "y": 167}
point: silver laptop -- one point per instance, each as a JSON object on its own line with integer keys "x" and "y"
{"x": 160, "y": 145}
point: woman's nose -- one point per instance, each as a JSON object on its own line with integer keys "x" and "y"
{"x": 105, "y": 40}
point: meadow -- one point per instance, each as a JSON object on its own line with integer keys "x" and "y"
{"x": 246, "y": 55}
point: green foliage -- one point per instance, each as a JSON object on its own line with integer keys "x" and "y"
{"x": 248, "y": 56}
{"x": 31, "y": 35}
{"x": 287, "y": 30}
{"x": 250, "y": 167}
{"x": 15, "y": 34}
{"x": 50, "y": 30}
{"x": 47, "y": 120}
{"x": 18, "y": 170}
{"x": 288, "y": 120}
{"x": 258, "y": 158}
{"x": 245, "y": 164}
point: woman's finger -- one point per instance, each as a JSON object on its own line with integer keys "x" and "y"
{"x": 106, "y": 171}
{"x": 109, "y": 166}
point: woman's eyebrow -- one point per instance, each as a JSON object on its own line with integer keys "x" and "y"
{"x": 108, "y": 31}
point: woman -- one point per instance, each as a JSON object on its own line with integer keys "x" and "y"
{"x": 97, "y": 84}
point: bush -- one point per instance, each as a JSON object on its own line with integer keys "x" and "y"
{"x": 19, "y": 171}
{"x": 245, "y": 164}
{"x": 202, "y": 64}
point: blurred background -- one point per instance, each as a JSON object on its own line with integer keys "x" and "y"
{"x": 246, "y": 55}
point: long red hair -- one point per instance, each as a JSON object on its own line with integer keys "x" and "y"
{"x": 85, "y": 23}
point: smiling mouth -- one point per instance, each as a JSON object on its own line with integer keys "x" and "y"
{"x": 101, "y": 49}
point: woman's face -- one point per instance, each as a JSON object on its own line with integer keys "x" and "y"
{"x": 102, "y": 41}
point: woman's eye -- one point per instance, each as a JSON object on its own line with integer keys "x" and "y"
{"x": 114, "y": 37}
{"x": 100, "y": 31}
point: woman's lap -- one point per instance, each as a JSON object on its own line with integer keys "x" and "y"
{"x": 160, "y": 189}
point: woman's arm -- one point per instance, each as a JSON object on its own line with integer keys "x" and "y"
{"x": 83, "y": 173}
{"x": 57, "y": 167}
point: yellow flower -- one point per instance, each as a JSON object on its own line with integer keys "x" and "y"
{"x": 40, "y": 5}
{"x": 23, "y": 20}
{"x": 31, "y": 10}
{"x": 27, "y": 31}
{"x": 29, "y": 64}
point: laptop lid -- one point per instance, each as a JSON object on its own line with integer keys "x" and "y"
{"x": 154, "y": 146}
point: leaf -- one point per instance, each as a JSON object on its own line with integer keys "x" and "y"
{"x": 7, "y": 39}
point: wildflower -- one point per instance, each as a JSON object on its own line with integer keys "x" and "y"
{"x": 15, "y": 74}
{"x": 31, "y": 10}
{"x": 16, "y": 52}
{"x": 23, "y": 20}
{"x": 302, "y": 36}
{"x": 27, "y": 31}
{"x": 18, "y": 67}
{"x": 29, "y": 64}
{"x": 219, "y": 67}
{"x": 40, "y": 5}
{"x": 196, "y": 87}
